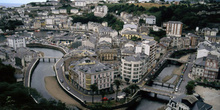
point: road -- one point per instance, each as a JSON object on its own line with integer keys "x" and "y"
{"x": 186, "y": 79}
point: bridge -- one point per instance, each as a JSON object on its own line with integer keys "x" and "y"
{"x": 178, "y": 60}
{"x": 157, "y": 91}
{"x": 54, "y": 58}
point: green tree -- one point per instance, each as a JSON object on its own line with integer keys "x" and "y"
{"x": 117, "y": 83}
{"x": 134, "y": 88}
{"x": 103, "y": 94}
{"x": 127, "y": 91}
{"x": 93, "y": 88}
{"x": 190, "y": 87}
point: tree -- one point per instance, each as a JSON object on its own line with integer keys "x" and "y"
{"x": 190, "y": 87}
{"x": 127, "y": 91}
{"x": 117, "y": 83}
{"x": 103, "y": 95}
{"x": 93, "y": 88}
{"x": 133, "y": 88}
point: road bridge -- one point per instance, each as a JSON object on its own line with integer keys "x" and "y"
{"x": 178, "y": 60}
{"x": 157, "y": 91}
{"x": 49, "y": 58}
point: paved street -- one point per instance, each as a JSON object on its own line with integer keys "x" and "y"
{"x": 186, "y": 79}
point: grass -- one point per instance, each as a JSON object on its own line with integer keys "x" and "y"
{"x": 177, "y": 80}
{"x": 149, "y": 5}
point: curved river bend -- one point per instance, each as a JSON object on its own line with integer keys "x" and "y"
{"x": 44, "y": 69}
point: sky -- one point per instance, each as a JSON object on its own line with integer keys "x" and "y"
{"x": 20, "y": 1}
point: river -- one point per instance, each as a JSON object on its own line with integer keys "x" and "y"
{"x": 44, "y": 69}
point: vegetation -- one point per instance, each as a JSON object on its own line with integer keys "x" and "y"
{"x": 184, "y": 13}
{"x": 157, "y": 35}
{"x": 117, "y": 83}
{"x": 112, "y": 21}
{"x": 93, "y": 88}
{"x": 9, "y": 24}
{"x": 190, "y": 87}
{"x": 14, "y": 96}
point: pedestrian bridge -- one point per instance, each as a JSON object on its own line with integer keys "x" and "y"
{"x": 178, "y": 60}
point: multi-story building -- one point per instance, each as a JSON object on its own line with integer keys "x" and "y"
{"x": 199, "y": 67}
{"x": 80, "y": 3}
{"x": 148, "y": 48}
{"x": 133, "y": 67}
{"x": 108, "y": 55}
{"x": 16, "y": 41}
{"x": 101, "y": 11}
{"x": 86, "y": 71}
{"x": 151, "y": 20}
{"x": 211, "y": 67}
{"x": 174, "y": 28}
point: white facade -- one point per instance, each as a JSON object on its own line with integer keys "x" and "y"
{"x": 151, "y": 20}
{"x": 74, "y": 11}
{"x": 49, "y": 21}
{"x": 55, "y": 11}
{"x": 101, "y": 11}
{"x": 133, "y": 68}
{"x": 80, "y": 3}
{"x": 63, "y": 11}
{"x": 202, "y": 53}
{"x": 16, "y": 42}
{"x": 174, "y": 28}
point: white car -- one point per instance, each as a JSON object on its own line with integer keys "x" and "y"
{"x": 67, "y": 88}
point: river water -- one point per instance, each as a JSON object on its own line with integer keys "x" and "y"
{"x": 44, "y": 69}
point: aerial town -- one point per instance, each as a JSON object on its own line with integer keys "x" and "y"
{"x": 110, "y": 54}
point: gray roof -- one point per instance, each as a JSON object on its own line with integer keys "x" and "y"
{"x": 91, "y": 68}
{"x": 200, "y": 61}
{"x": 137, "y": 57}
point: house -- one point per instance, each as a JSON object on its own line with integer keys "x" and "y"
{"x": 74, "y": 11}
{"x": 63, "y": 11}
{"x": 16, "y": 42}
{"x": 101, "y": 11}
{"x": 174, "y": 28}
{"x": 212, "y": 38}
{"x": 55, "y": 11}
{"x": 23, "y": 56}
{"x": 80, "y": 3}
{"x": 206, "y": 47}
{"x": 188, "y": 102}
{"x": 151, "y": 20}
{"x": 210, "y": 32}
{"x": 194, "y": 39}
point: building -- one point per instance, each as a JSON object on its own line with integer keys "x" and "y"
{"x": 15, "y": 41}
{"x": 210, "y": 32}
{"x": 74, "y": 11}
{"x": 86, "y": 71}
{"x": 174, "y": 28}
{"x": 151, "y": 20}
{"x": 133, "y": 67}
{"x": 108, "y": 55}
{"x": 80, "y": 3}
{"x": 101, "y": 11}
{"x": 211, "y": 68}
{"x": 206, "y": 47}
{"x": 194, "y": 39}
{"x": 148, "y": 48}
{"x": 188, "y": 102}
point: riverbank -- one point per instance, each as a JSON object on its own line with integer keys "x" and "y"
{"x": 57, "y": 92}
{"x": 210, "y": 96}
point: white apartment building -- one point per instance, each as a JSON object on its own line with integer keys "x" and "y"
{"x": 16, "y": 41}
{"x": 148, "y": 48}
{"x": 133, "y": 67}
{"x": 101, "y": 11}
{"x": 174, "y": 28}
{"x": 151, "y": 20}
{"x": 85, "y": 72}
{"x": 80, "y": 3}
{"x": 74, "y": 11}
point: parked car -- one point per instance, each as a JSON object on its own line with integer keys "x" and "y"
{"x": 67, "y": 88}
{"x": 61, "y": 80}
